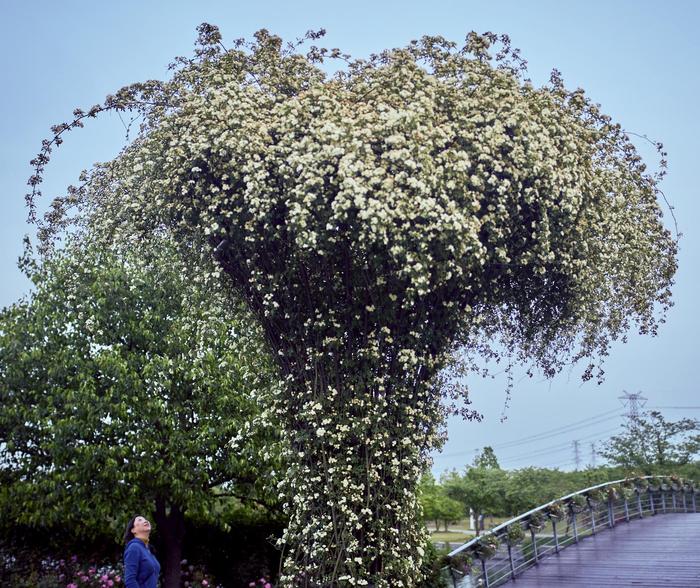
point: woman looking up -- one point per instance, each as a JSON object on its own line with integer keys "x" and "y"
{"x": 141, "y": 568}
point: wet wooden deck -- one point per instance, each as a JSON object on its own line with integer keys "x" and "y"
{"x": 655, "y": 552}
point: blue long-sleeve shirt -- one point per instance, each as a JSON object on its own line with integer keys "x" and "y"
{"x": 141, "y": 568}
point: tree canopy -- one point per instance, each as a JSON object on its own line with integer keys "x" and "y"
{"x": 480, "y": 490}
{"x": 436, "y": 505}
{"x": 486, "y": 458}
{"x": 124, "y": 389}
{"x": 374, "y": 220}
{"x": 650, "y": 443}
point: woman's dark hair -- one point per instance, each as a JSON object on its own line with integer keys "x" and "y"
{"x": 128, "y": 532}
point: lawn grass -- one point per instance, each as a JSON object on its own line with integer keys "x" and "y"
{"x": 450, "y": 537}
{"x": 489, "y": 523}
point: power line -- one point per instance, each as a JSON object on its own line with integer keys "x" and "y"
{"x": 582, "y": 424}
{"x": 633, "y": 402}
{"x": 547, "y": 451}
{"x": 674, "y": 408}
{"x": 559, "y": 465}
{"x": 554, "y": 448}
{"x": 564, "y": 431}
{"x": 556, "y": 431}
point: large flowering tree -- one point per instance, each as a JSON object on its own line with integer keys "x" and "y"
{"x": 375, "y": 220}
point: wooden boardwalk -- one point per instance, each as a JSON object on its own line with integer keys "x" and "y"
{"x": 654, "y": 552}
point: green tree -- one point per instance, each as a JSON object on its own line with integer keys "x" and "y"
{"x": 486, "y": 459}
{"x": 652, "y": 444}
{"x": 531, "y": 487}
{"x": 480, "y": 490}
{"x": 437, "y": 506}
{"x": 375, "y": 220}
{"x": 126, "y": 388}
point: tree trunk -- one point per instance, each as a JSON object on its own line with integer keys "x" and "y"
{"x": 171, "y": 534}
{"x": 352, "y": 485}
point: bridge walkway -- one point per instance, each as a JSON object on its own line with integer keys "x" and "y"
{"x": 654, "y": 552}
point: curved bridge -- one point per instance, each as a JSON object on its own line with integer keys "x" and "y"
{"x": 613, "y": 534}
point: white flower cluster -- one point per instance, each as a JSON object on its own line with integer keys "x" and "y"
{"x": 374, "y": 220}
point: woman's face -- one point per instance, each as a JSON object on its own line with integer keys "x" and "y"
{"x": 141, "y": 527}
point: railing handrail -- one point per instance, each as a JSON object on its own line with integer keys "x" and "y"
{"x": 509, "y": 522}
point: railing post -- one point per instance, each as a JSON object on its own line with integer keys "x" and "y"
{"x": 695, "y": 508}
{"x": 639, "y": 503}
{"x": 486, "y": 574}
{"x": 685, "y": 504}
{"x": 592, "y": 511}
{"x": 651, "y": 501}
{"x": 663, "y": 501}
{"x": 627, "y": 511}
{"x": 611, "y": 514}
{"x": 510, "y": 560}
{"x": 575, "y": 526}
{"x": 673, "y": 499}
{"x": 534, "y": 543}
{"x": 556, "y": 537}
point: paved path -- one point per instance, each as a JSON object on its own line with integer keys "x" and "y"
{"x": 654, "y": 552}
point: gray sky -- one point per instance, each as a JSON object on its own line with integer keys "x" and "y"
{"x": 638, "y": 59}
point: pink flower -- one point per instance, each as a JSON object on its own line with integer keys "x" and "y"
{"x": 267, "y": 585}
{"x": 205, "y": 583}
{"x": 110, "y": 583}
{"x": 118, "y": 579}
{"x": 251, "y": 585}
{"x": 71, "y": 585}
{"x": 104, "y": 577}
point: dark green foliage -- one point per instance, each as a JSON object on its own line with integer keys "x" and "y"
{"x": 437, "y": 506}
{"x": 486, "y": 459}
{"x": 127, "y": 387}
{"x": 481, "y": 489}
{"x": 432, "y": 568}
{"x": 233, "y": 557}
{"x": 23, "y": 549}
{"x": 238, "y": 556}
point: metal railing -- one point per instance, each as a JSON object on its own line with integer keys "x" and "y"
{"x": 505, "y": 551}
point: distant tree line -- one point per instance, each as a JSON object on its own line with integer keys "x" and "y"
{"x": 648, "y": 445}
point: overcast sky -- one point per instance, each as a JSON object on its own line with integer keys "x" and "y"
{"x": 638, "y": 59}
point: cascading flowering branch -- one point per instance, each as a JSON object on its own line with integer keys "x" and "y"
{"x": 375, "y": 220}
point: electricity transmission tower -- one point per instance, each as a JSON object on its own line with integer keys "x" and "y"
{"x": 577, "y": 454}
{"x": 633, "y": 402}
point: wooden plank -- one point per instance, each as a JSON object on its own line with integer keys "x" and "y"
{"x": 663, "y": 550}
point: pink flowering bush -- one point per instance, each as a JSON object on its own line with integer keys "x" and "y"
{"x": 196, "y": 576}
{"x": 71, "y": 573}
{"x": 263, "y": 582}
